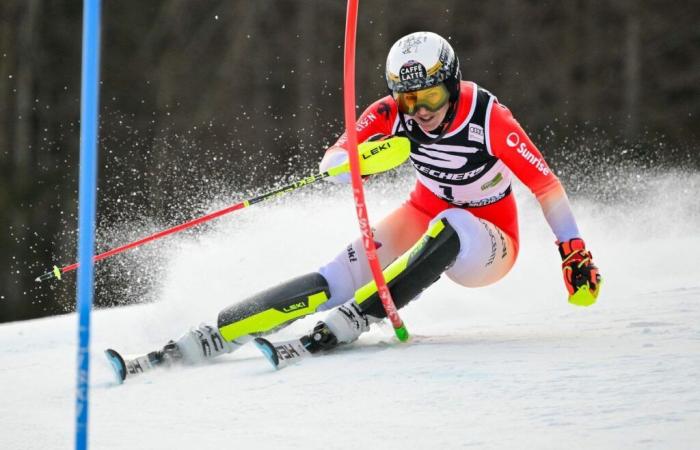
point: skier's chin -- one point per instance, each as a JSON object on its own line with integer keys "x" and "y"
{"x": 428, "y": 125}
{"x": 430, "y": 122}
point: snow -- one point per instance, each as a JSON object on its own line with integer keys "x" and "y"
{"x": 510, "y": 366}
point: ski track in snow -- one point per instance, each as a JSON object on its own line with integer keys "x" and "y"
{"x": 510, "y": 366}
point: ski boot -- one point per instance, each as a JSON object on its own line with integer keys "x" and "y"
{"x": 194, "y": 347}
{"x": 343, "y": 325}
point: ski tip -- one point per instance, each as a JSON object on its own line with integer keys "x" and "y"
{"x": 268, "y": 350}
{"x": 117, "y": 363}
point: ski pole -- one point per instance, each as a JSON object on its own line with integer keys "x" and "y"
{"x": 376, "y": 157}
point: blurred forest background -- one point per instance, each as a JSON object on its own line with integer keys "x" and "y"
{"x": 210, "y": 99}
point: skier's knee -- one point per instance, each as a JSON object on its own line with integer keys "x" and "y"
{"x": 486, "y": 254}
{"x": 340, "y": 282}
{"x": 463, "y": 223}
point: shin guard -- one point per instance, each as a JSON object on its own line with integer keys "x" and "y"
{"x": 414, "y": 271}
{"x": 274, "y": 308}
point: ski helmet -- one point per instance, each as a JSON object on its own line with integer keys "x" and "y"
{"x": 421, "y": 60}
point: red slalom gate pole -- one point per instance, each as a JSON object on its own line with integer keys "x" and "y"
{"x": 358, "y": 191}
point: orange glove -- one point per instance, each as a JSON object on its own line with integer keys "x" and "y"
{"x": 580, "y": 274}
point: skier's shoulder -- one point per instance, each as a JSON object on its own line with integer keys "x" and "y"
{"x": 474, "y": 106}
{"x": 383, "y": 108}
{"x": 377, "y": 118}
{"x": 473, "y": 92}
{"x": 470, "y": 91}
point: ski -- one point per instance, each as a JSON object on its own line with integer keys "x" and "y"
{"x": 280, "y": 354}
{"x": 283, "y": 353}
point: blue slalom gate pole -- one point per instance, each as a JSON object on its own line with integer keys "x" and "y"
{"x": 89, "y": 112}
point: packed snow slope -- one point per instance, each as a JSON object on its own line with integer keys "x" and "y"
{"x": 511, "y": 366}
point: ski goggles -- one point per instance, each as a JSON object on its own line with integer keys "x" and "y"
{"x": 432, "y": 99}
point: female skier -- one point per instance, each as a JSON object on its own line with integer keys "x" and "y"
{"x": 460, "y": 219}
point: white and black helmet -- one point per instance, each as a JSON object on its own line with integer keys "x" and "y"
{"x": 418, "y": 61}
{"x": 421, "y": 60}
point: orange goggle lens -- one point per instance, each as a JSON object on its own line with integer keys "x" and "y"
{"x": 432, "y": 99}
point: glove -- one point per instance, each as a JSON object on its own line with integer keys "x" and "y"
{"x": 580, "y": 274}
{"x": 333, "y": 158}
